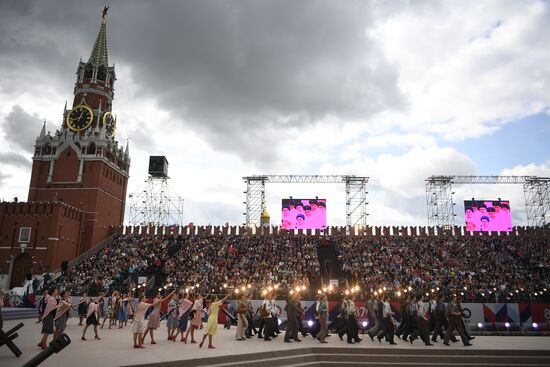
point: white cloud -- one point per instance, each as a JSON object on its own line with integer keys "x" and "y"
{"x": 396, "y": 189}
{"x": 532, "y": 169}
{"x": 468, "y": 69}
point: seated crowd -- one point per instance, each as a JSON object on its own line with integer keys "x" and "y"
{"x": 209, "y": 261}
{"x": 479, "y": 267}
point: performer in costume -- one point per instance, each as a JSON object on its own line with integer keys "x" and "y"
{"x": 454, "y": 315}
{"x": 266, "y": 322}
{"x": 109, "y": 312}
{"x": 112, "y": 309}
{"x": 389, "y": 325}
{"x": 250, "y": 330}
{"x": 48, "y": 317}
{"x": 139, "y": 316}
{"x": 292, "y": 320}
{"x": 62, "y": 313}
{"x": 154, "y": 319}
{"x": 101, "y": 305}
{"x": 184, "y": 309}
{"x": 195, "y": 316}
{"x": 129, "y": 307}
{"x": 275, "y": 313}
{"x": 322, "y": 311}
{"x": 122, "y": 302}
{"x": 242, "y": 322}
{"x": 92, "y": 318}
{"x": 212, "y": 323}
{"x": 83, "y": 308}
{"x": 172, "y": 319}
{"x": 42, "y": 305}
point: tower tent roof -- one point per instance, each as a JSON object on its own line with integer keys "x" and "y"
{"x": 99, "y": 54}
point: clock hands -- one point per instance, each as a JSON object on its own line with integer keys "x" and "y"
{"x": 80, "y": 118}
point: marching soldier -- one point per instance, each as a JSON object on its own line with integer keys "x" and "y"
{"x": 454, "y": 315}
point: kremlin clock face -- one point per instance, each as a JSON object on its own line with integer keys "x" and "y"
{"x": 80, "y": 118}
{"x": 109, "y": 123}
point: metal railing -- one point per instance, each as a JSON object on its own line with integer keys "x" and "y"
{"x": 85, "y": 255}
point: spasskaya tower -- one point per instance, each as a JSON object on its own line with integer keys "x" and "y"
{"x": 82, "y": 163}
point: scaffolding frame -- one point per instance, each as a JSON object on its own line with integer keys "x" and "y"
{"x": 355, "y": 188}
{"x": 155, "y": 203}
{"x": 537, "y": 200}
{"x": 440, "y": 205}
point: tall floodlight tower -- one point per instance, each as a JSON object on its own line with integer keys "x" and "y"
{"x": 155, "y": 203}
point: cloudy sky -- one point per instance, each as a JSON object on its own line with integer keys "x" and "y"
{"x": 393, "y": 90}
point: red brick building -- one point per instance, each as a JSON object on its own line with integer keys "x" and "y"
{"x": 78, "y": 182}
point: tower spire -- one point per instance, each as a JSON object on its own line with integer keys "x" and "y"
{"x": 43, "y": 131}
{"x": 99, "y": 51}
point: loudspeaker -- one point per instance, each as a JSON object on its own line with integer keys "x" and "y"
{"x": 158, "y": 166}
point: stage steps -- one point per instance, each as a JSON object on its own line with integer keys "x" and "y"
{"x": 330, "y": 356}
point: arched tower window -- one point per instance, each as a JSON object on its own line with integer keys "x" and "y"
{"x": 88, "y": 72}
{"x": 101, "y": 74}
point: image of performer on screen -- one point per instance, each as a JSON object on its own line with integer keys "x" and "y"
{"x": 300, "y": 221}
{"x": 493, "y": 216}
{"x": 303, "y": 214}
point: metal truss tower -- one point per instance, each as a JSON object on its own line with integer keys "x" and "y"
{"x": 537, "y": 201}
{"x": 356, "y": 194}
{"x": 156, "y": 204}
{"x": 440, "y": 206}
{"x": 255, "y": 199}
{"x": 356, "y": 200}
{"x": 439, "y": 201}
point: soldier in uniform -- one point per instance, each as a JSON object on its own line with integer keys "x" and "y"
{"x": 411, "y": 316}
{"x": 439, "y": 317}
{"x": 388, "y": 330}
{"x": 292, "y": 321}
{"x": 250, "y": 330}
{"x": 351, "y": 326}
{"x": 466, "y": 331}
{"x": 454, "y": 315}
{"x": 404, "y": 318}
{"x": 422, "y": 323}
{"x": 377, "y": 313}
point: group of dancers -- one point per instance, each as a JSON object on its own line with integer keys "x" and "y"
{"x": 185, "y": 316}
{"x": 55, "y": 309}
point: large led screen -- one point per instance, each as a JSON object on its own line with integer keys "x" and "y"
{"x": 485, "y": 215}
{"x": 304, "y": 214}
